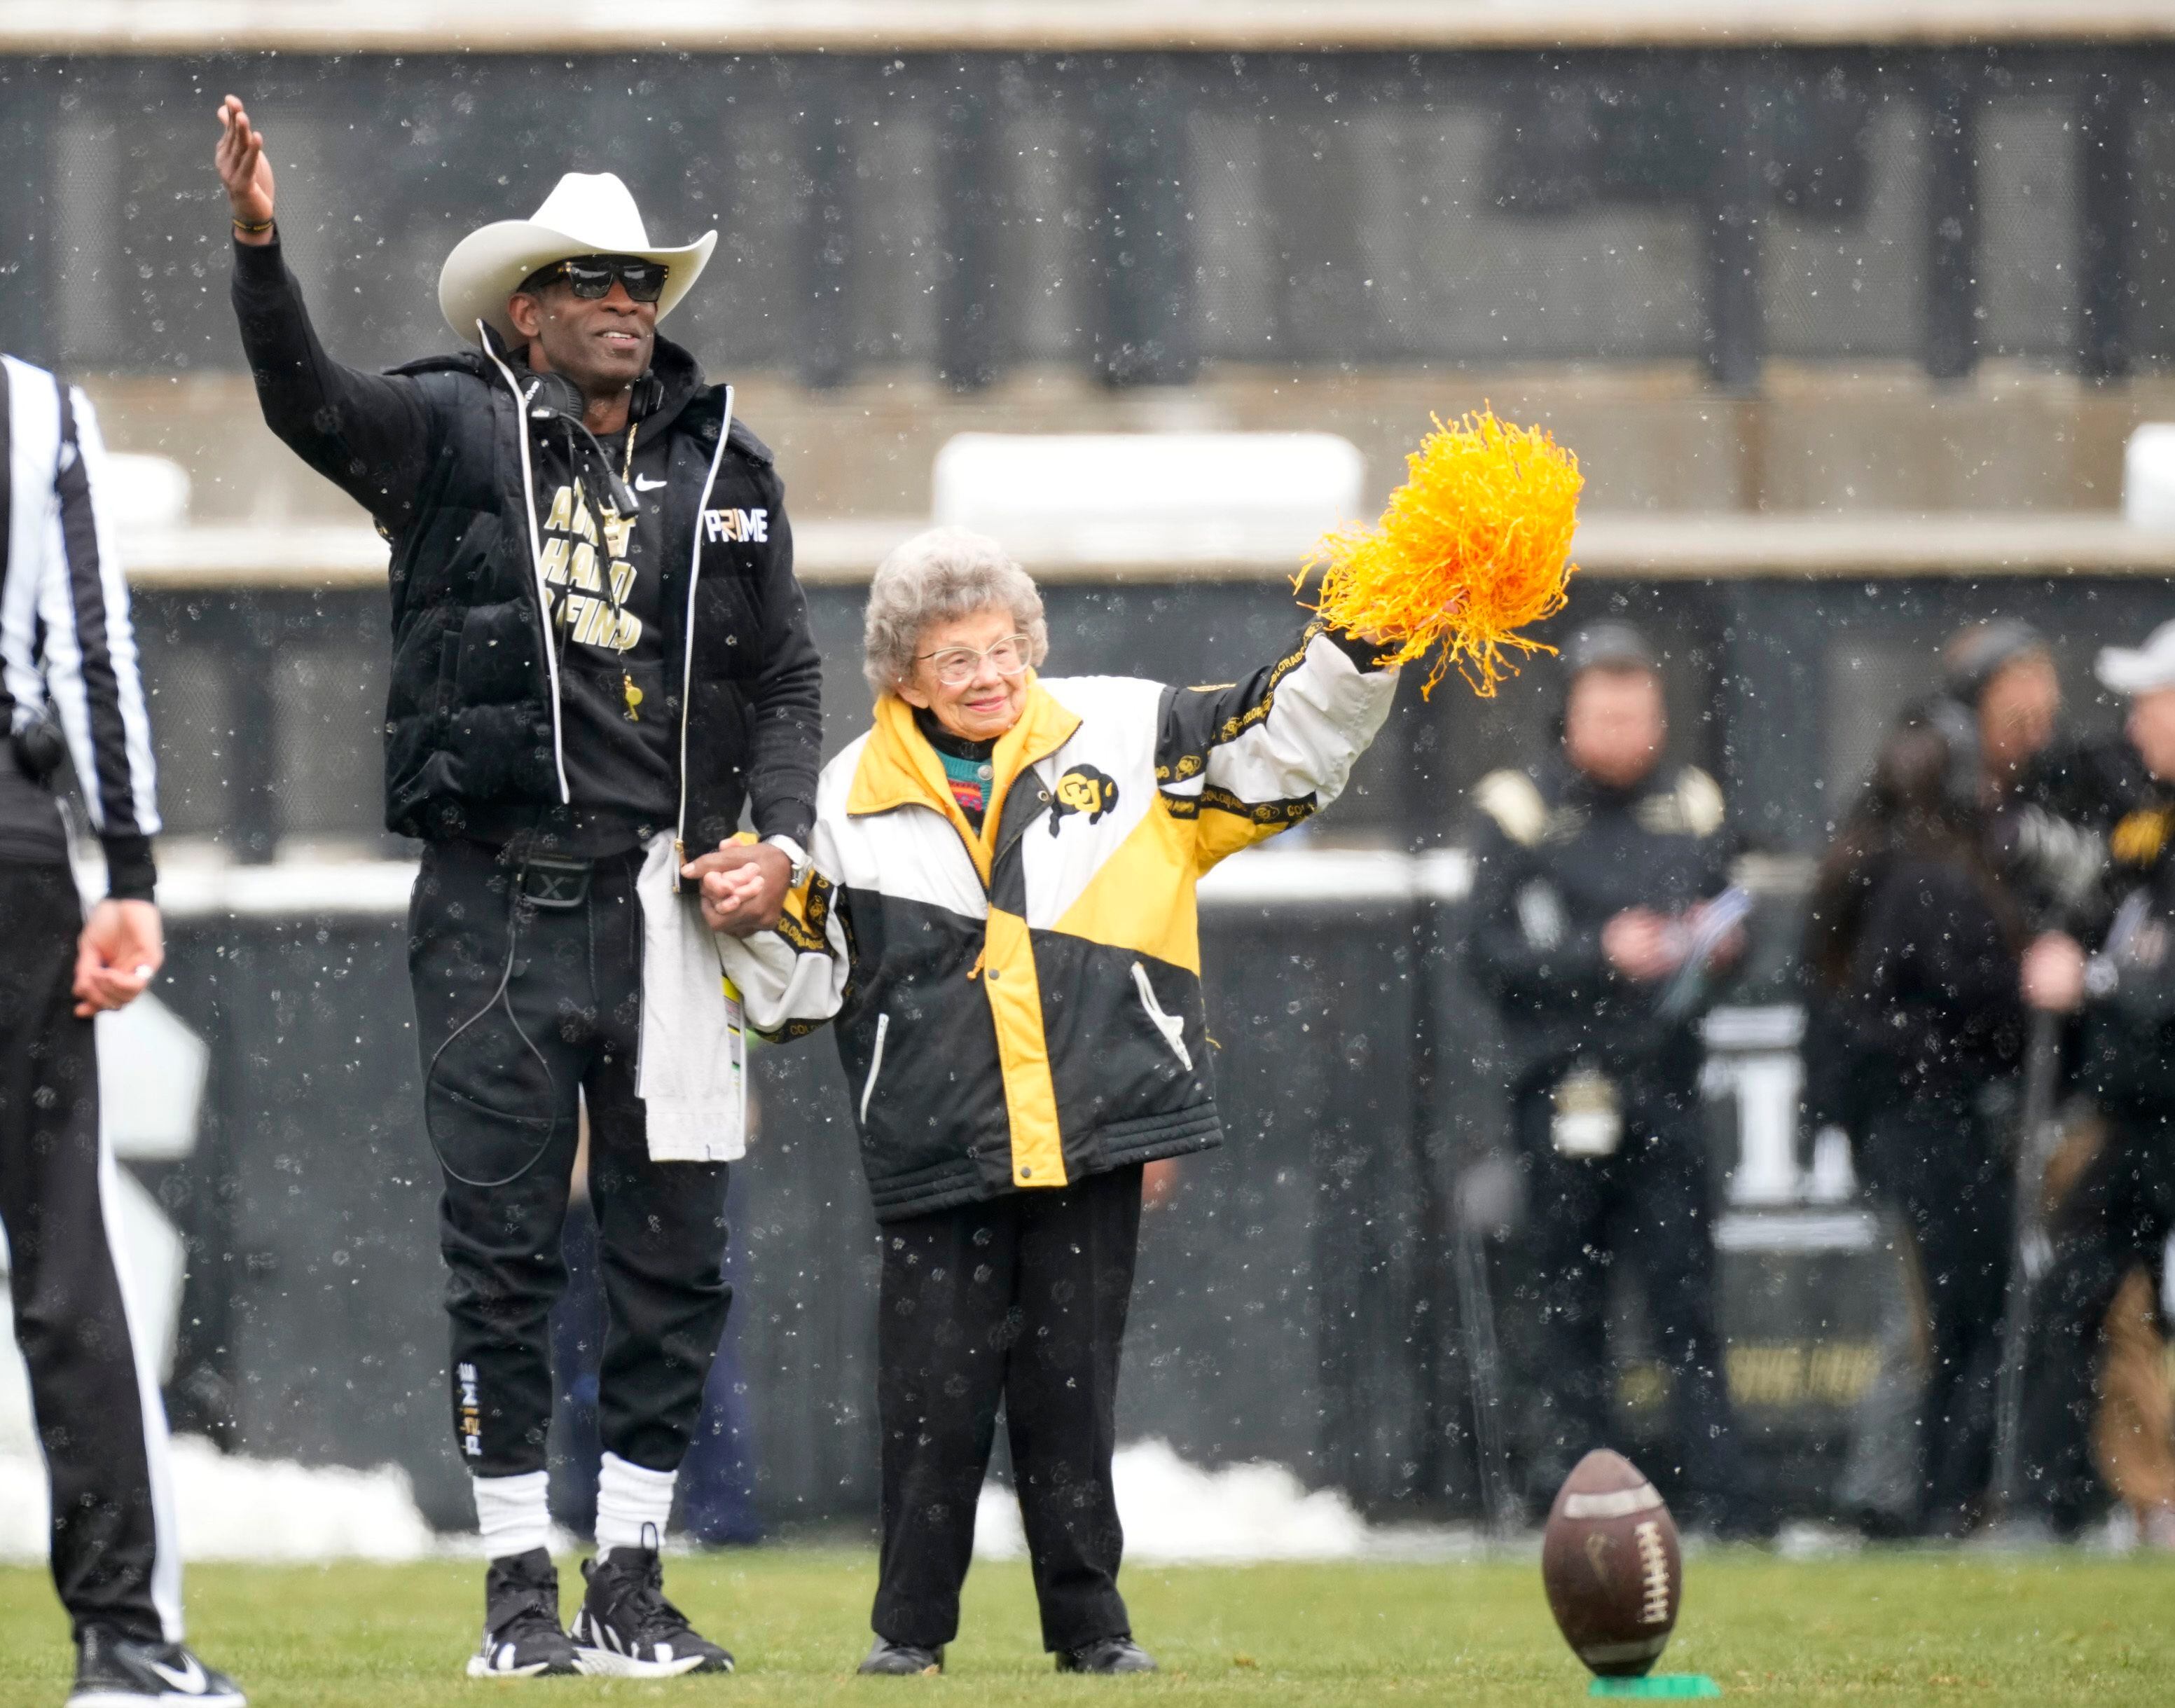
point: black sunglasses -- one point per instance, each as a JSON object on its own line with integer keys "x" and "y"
{"x": 590, "y": 277}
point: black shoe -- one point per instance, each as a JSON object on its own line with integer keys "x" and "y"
{"x": 627, "y": 1628}
{"x": 112, "y": 1671}
{"x": 889, "y": 1659}
{"x": 1106, "y": 1655}
{"x": 521, "y": 1633}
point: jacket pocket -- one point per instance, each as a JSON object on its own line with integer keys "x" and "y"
{"x": 1169, "y": 1025}
{"x": 875, "y": 1067}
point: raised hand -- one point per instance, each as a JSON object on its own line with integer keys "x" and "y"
{"x": 245, "y": 172}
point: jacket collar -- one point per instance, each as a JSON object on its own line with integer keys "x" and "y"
{"x": 898, "y": 768}
{"x": 686, "y": 389}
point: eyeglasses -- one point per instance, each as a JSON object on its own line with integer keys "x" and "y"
{"x": 590, "y": 276}
{"x": 956, "y": 666}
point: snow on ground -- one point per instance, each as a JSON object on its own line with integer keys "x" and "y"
{"x": 240, "y": 1509}
{"x": 1173, "y": 1512}
{"x": 247, "y": 1509}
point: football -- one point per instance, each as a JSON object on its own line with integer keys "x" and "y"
{"x": 1609, "y": 1560}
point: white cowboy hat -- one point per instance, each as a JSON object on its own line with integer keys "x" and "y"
{"x": 586, "y": 214}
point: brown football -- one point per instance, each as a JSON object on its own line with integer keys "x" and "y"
{"x": 1609, "y": 1560}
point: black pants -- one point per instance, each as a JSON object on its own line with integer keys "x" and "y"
{"x": 100, "y": 1417}
{"x": 1647, "y": 1205}
{"x": 1021, "y": 1300}
{"x": 1939, "y": 1168}
{"x": 2115, "y": 1218}
{"x": 522, "y": 1012}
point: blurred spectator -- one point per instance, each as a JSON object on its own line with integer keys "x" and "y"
{"x": 2049, "y": 794}
{"x": 1601, "y": 909}
{"x": 1912, "y": 940}
{"x": 2117, "y": 1219}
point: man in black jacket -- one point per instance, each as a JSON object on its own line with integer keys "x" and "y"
{"x": 600, "y": 657}
{"x": 68, "y": 688}
{"x": 2118, "y": 1215}
{"x": 1599, "y": 910}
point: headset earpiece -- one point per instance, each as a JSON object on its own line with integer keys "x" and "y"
{"x": 647, "y": 398}
{"x": 553, "y": 394}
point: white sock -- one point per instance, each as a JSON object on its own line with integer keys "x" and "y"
{"x": 630, "y": 1500}
{"x": 511, "y": 1513}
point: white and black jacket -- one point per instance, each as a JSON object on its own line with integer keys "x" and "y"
{"x": 66, "y": 649}
{"x": 1020, "y": 1007}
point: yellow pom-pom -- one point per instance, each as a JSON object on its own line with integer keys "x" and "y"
{"x": 1473, "y": 547}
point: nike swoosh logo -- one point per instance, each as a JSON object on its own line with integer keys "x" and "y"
{"x": 643, "y": 483}
{"x": 190, "y": 1681}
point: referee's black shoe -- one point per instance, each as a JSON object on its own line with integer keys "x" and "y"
{"x": 1106, "y": 1655}
{"x": 112, "y": 1671}
{"x": 521, "y": 1633}
{"x": 627, "y": 1628}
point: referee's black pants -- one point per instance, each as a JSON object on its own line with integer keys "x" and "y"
{"x": 101, "y": 1420}
{"x": 1020, "y": 1301}
{"x": 524, "y": 1011}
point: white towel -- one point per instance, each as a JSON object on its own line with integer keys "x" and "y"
{"x": 692, "y": 1073}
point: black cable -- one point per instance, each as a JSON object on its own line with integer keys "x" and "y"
{"x": 501, "y": 994}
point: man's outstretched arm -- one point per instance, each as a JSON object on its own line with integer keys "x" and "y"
{"x": 366, "y": 433}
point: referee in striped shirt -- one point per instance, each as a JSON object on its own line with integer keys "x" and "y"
{"x": 68, "y": 688}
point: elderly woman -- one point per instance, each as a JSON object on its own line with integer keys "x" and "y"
{"x": 1000, "y": 915}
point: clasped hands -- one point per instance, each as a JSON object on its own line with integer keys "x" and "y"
{"x": 743, "y": 887}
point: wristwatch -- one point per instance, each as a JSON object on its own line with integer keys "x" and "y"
{"x": 794, "y": 852}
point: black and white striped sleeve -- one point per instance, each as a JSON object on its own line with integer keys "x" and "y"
{"x": 88, "y": 651}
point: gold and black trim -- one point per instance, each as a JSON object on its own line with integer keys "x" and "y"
{"x": 1214, "y": 799}
{"x": 807, "y": 934}
{"x": 1229, "y": 712}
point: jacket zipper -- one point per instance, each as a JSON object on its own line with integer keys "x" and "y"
{"x": 1172, "y": 1028}
{"x": 535, "y": 562}
{"x": 875, "y": 1066}
{"x": 688, "y": 649}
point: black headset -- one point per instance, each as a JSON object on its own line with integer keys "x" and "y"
{"x": 555, "y": 394}
{"x": 552, "y": 396}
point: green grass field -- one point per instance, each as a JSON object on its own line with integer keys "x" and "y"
{"x": 1870, "y": 1629}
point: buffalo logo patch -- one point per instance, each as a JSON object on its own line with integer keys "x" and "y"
{"x": 1082, "y": 788}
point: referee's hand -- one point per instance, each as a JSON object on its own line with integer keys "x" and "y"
{"x": 119, "y": 953}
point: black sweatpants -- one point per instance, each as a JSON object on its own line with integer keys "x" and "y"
{"x": 100, "y": 1417}
{"x": 1941, "y": 1169}
{"x": 2116, "y": 1218}
{"x": 1021, "y": 1300}
{"x": 1646, "y": 1206}
{"x": 523, "y": 1012}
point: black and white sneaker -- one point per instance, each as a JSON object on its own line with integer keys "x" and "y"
{"x": 521, "y": 1633}
{"x": 112, "y": 1671}
{"x": 627, "y": 1628}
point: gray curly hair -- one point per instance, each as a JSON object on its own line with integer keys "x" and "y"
{"x": 936, "y": 575}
